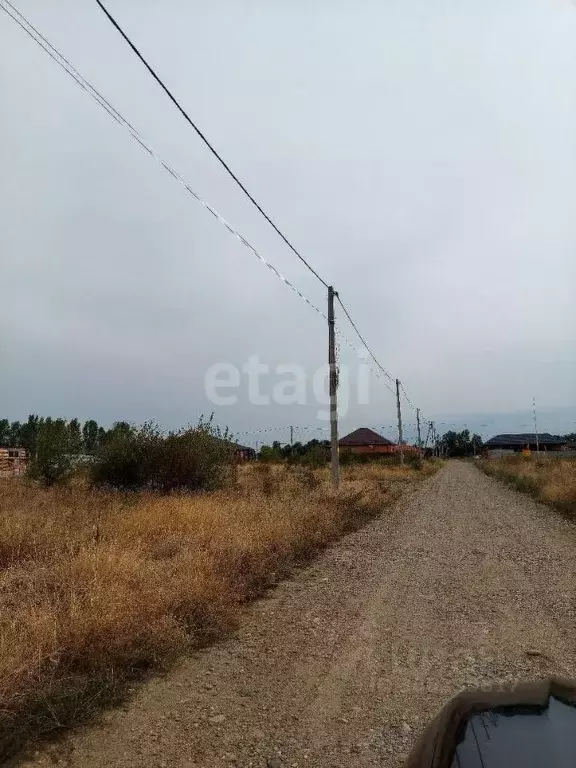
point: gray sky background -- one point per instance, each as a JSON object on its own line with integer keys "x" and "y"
{"x": 421, "y": 155}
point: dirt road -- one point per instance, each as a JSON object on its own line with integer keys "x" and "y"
{"x": 465, "y": 583}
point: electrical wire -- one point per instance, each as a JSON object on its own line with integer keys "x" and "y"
{"x": 117, "y": 116}
{"x": 232, "y": 174}
{"x": 363, "y": 340}
{"x": 205, "y": 140}
{"x": 410, "y": 403}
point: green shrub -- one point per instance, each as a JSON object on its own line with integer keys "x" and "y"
{"x": 193, "y": 460}
{"x": 200, "y": 458}
{"x": 52, "y": 463}
{"x": 318, "y": 456}
{"x": 414, "y": 460}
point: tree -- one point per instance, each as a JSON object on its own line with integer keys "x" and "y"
{"x": 477, "y": 444}
{"x": 317, "y": 456}
{"x": 458, "y": 444}
{"x": 102, "y": 436}
{"x": 29, "y": 434}
{"x": 52, "y": 463}
{"x": 194, "y": 459}
{"x": 90, "y": 434}
{"x": 14, "y": 434}
{"x": 270, "y": 453}
{"x": 74, "y": 436}
{"x": 119, "y": 429}
{"x": 4, "y": 431}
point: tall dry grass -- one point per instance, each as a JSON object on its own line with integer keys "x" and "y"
{"x": 550, "y": 479}
{"x": 97, "y": 588}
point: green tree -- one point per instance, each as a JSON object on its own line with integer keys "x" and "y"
{"x": 477, "y": 444}
{"x": 458, "y": 444}
{"x": 4, "y": 431}
{"x": 52, "y": 463}
{"x": 14, "y": 434}
{"x": 74, "y": 436}
{"x": 317, "y": 456}
{"x": 29, "y": 433}
{"x": 120, "y": 429}
{"x": 270, "y": 453}
{"x": 90, "y": 434}
{"x": 194, "y": 459}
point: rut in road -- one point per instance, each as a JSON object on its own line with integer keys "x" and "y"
{"x": 464, "y": 583}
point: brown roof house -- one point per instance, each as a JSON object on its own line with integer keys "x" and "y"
{"x": 366, "y": 441}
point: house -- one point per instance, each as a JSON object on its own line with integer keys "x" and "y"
{"x": 13, "y": 461}
{"x": 366, "y": 441}
{"x": 502, "y": 444}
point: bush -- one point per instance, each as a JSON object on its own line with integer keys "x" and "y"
{"x": 384, "y": 460}
{"x": 414, "y": 460}
{"x": 127, "y": 459}
{"x": 270, "y": 453}
{"x": 53, "y": 462}
{"x": 316, "y": 458}
{"x": 194, "y": 459}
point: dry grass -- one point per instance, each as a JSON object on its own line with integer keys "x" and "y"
{"x": 97, "y": 588}
{"x": 551, "y": 479}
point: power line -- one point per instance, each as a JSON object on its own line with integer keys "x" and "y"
{"x": 363, "y": 340}
{"x": 65, "y": 60}
{"x": 410, "y": 403}
{"x": 205, "y": 140}
{"x": 229, "y": 170}
{"x": 118, "y": 117}
{"x": 68, "y": 67}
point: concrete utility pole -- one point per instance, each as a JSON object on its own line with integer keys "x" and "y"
{"x": 400, "y": 438}
{"x": 333, "y": 381}
{"x": 291, "y": 436}
{"x": 535, "y": 425}
{"x": 418, "y": 427}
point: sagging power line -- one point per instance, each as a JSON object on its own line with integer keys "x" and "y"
{"x": 210, "y": 146}
{"x": 216, "y": 154}
{"x": 121, "y": 120}
{"x": 56, "y": 56}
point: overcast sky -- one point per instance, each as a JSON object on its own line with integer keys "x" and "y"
{"x": 422, "y": 156}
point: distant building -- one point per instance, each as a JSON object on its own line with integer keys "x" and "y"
{"x": 13, "y": 461}
{"x": 366, "y": 441}
{"x": 244, "y": 453}
{"x": 502, "y": 444}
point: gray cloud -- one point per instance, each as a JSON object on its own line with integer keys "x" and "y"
{"x": 421, "y": 157}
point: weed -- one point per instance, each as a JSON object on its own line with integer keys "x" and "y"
{"x": 97, "y": 587}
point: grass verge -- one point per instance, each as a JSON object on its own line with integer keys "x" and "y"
{"x": 551, "y": 480}
{"x": 98, "y": 588}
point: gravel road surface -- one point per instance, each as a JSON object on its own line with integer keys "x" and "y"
{"x": 465, "y": 582}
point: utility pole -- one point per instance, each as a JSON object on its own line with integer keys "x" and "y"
{"x": 432, "y": 438}
{"x": 427, "y": 434}
{"x": 333, "y": 382}
{"x": 418, "y": 427}
{"x": 400, "y": 438}
{"x": 535, "y": 425}
{"x": 291, "y": 436}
